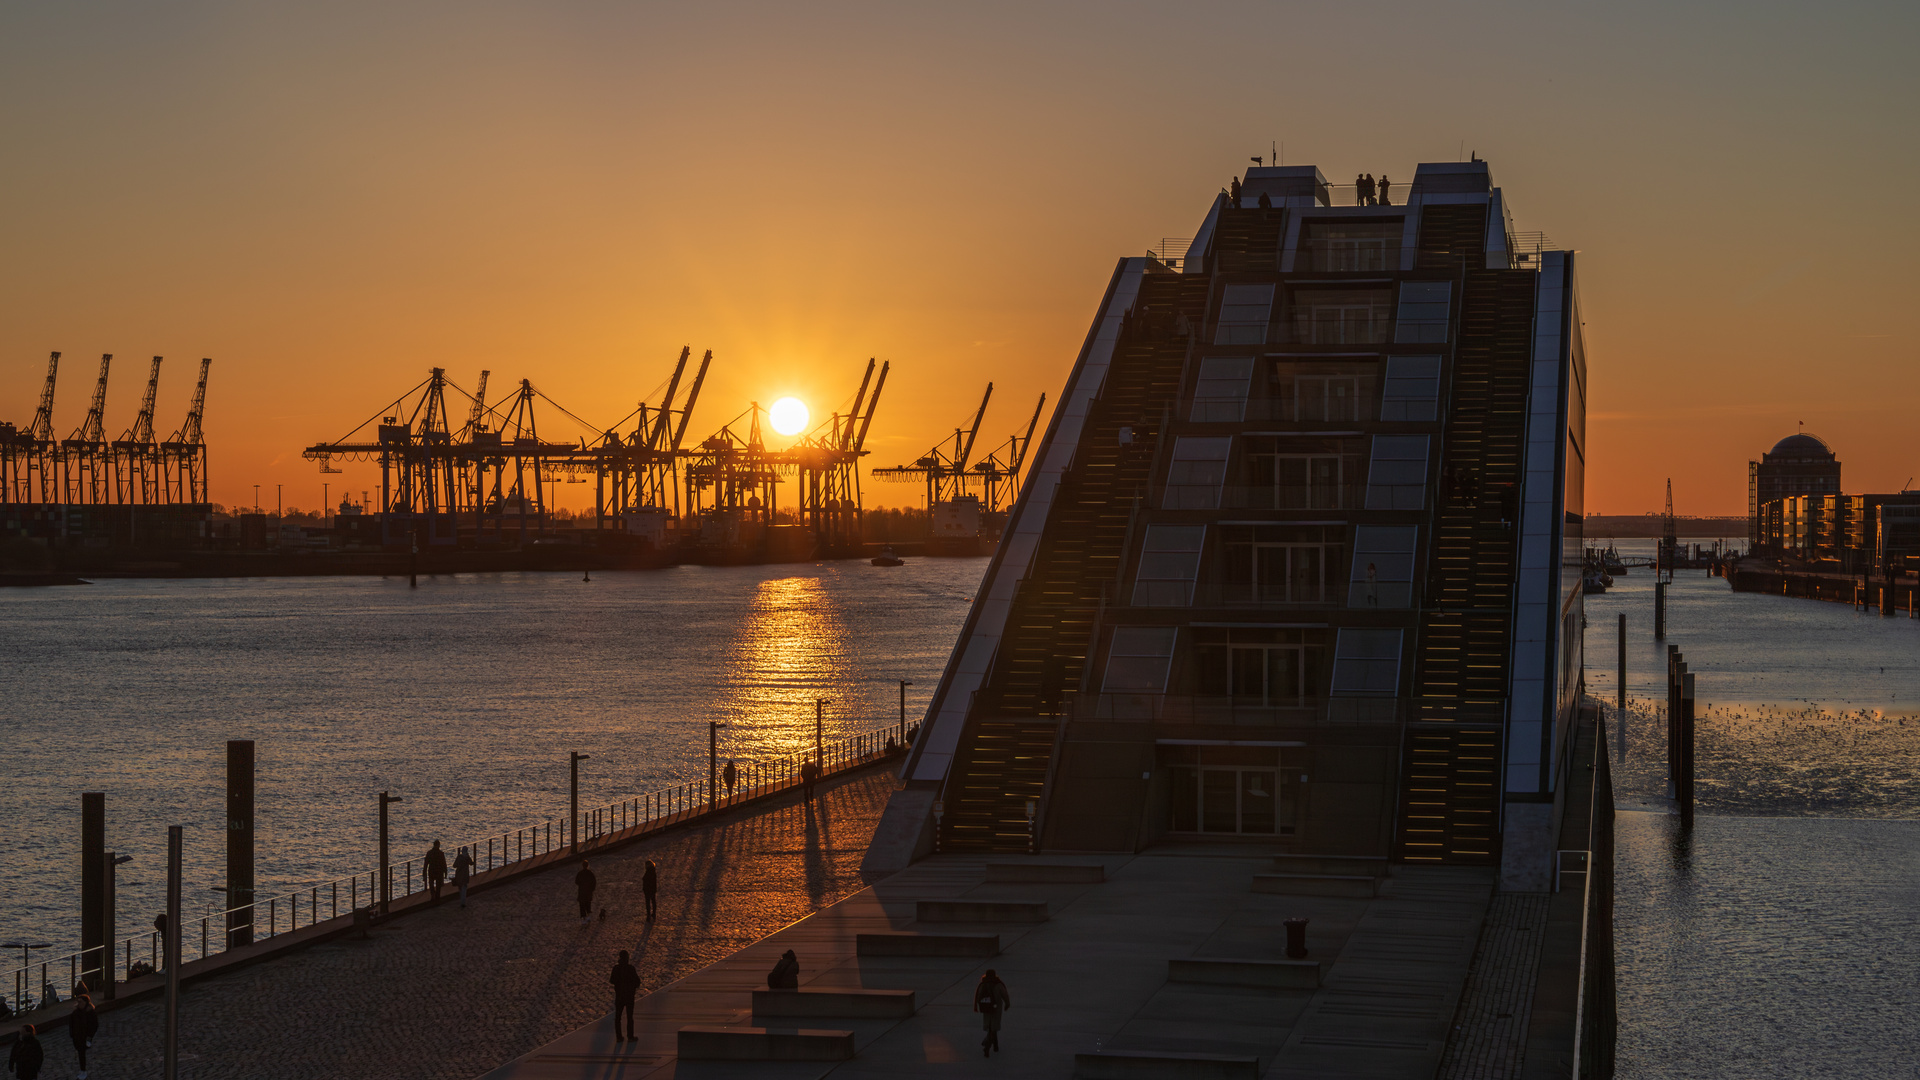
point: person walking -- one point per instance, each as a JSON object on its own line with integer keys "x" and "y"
{"x": 584, "y": 883}
{"x": 626, "y": 983}
{"x": 809, "y": 772}
{"x": 650, "y": 888}
{"x": 785, "y": 974}
{"x": 82, "y": 1026}
{"x": 26, "y": 1057}
{"x": 462, "y": 870}
{"x": 990, "y": 999}
{"x": 730, "y": 774}
{"x": 436, "y": 870}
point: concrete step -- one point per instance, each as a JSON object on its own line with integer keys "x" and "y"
{"x": 1163, "y": 1065}
{"x": 1360, "y": 865}
{"x": 1348, "y": 885}
{"x": 704, "y": 1042}
{"x": 1013, "y": 911}
{"x": 1052, "y": 873}
{"x": 927, "y": 944}
{"x": 849, "y": 1004}
{"x": 1283, "y": 974}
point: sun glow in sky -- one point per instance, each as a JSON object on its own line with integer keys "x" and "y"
{"x": 788, "y": 416}
{"x": 330, "y": 199}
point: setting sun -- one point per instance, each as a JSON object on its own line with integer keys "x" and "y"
{"x": 789, "y": 416}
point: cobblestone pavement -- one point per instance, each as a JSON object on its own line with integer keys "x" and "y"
{"x": 1490, "y": 1034}
{"x": 452, "y": 993}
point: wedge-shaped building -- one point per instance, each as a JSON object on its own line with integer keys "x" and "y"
{"x": 1298, "y": 561}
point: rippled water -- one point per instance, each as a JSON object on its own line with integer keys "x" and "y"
{"x": 1780, "y": 938}
{"x": 463, "y": 696}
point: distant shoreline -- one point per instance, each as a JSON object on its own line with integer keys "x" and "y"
{"x": 1650, "y": 525}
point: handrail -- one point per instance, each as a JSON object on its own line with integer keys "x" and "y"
{"x": 660, "y": 807}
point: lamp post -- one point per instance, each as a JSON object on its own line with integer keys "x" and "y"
{"x": 819, "y": 732}
{"x": 903, "y": 713}
{"x": 107, "y": 934}
{"x": 574, "y": 804}
{"x": 170, "y": 1047}
{"x": 386, "y": 864}
{"x": 713, "y": 761}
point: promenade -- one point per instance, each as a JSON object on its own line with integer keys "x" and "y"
{"x": 452, "y": 993}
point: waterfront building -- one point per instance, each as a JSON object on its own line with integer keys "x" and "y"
{"x": 1799, "y": 464}
{"x": 1298, "y": 560}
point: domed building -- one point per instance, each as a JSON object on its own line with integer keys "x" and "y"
{"x": 1799, "y": 464}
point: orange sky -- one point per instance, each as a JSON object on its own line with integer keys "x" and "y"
{"x": 330, "y": 199}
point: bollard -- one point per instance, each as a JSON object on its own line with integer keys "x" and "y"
{"x": 1659, "y": 611}
{"x": 93, "y": 852}
{"x": 1622, "y": 677}
{"x": 239, "y": 842}
{"x": 1685, "y": 770}
{"x": 1296, "y": 938}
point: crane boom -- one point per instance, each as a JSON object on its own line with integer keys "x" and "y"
{"x": 693, "y": 395}
{"x": 1020, "y": 452}
{"x": 653, "y": 437}
{"x": 966, "y": 451}
{"x": 479, "y": 410}
{"x": 90, "y": 428}
{"x": 860, "y": 443}
{"x": 42, "y": 427}
{"x": 189, "y": 433}
{"x": 142, "y": 429}
{"x": 845, "y": 437}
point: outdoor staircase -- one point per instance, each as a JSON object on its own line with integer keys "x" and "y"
{"x": 1451, "y": 783}
{"x": 1007, "y": 745}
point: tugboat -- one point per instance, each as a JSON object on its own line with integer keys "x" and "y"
{"x": 888, "y": 558}
{"x": 1610, "y": 562}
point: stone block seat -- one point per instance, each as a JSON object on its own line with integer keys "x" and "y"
{"x": 1353, "y": 886}
{"x": 715, "y": 1042}
{"x": 969, "y": 911}
{"x": 927, "y": 944}
{"x": 1272, "y": 974}
{"x": 844, "y": 1004}
{"x": 1163, "y": 1065}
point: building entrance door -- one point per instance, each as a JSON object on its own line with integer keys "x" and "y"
{"x": 1227, "y": 789}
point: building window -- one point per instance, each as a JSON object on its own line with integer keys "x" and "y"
{"x": 1197, "y": 473}
{"x": 1245, "y": 311}
{"x": 1397, "y": 474}
{"x": 1169, "y": 564}
{"x": 1260, "y": 667}
{"x": 1309, "y": 391}
{"x": 1366, "y": 663}
{"x": 1412, "y": 389}
{"x": 1383, "y": 557}
{"x": 1281, "y": 564}
{"x": 1340, "y": 316}
{"x": 1342, "y": 246}
{"x": 1138, "y": 660}
{"x": 1229, "y": 789}
{"x": 1423, "y": 311}
{"x": 1221, "y": 393}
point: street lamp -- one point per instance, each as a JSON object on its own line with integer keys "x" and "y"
{"x": 574, "y": 805}
{"x": 819, "y": 732}
{"x": 713, "y": 761}
{"x": 386, "y": 864}
{"x": 903, "y": 713}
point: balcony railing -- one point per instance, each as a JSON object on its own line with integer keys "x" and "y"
{"x": 1238, "y": 712}
{"x": 1358, "y": 409}
{"x": 1337, "y": 594}
{"x": 1259, "y": 497}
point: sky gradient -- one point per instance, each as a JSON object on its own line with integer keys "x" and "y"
{"x": 330, "y": 199}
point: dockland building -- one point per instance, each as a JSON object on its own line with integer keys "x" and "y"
{"x": 1298, "y": 560}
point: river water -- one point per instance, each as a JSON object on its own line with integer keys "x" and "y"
{"x": 463, "y": 697}
{"x": 1779, "y": 940}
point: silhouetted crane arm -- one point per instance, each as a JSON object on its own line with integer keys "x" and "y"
{"x": 966, "y": 450}
{"x": 652, "y": 438}
{"x": 90, "y": 428}
{"x": 693, "y": 395}
{"x": 860, "y": 441}
{"x": 1020, "y": 452}
{"x": 141, "y": 433}
{"x": 844, "y": 438}
{"x": 42, "y": 427}
{"x": 479, "y": 410}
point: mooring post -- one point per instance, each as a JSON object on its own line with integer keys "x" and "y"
{"x": 1659, "y": 611}
{"x": 93, "y": 850}
{"x": 1686, "y": 750}
{"x": 1622, "y": 676}
{"x": 170, "y": 942}
{"x": 239, "y": 842}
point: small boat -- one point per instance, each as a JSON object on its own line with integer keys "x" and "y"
{"x": 1610, "y": 561}
{"x": 888, "y": 558}
{"x": 1594, "y": 581}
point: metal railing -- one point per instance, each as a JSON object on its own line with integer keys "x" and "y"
{"x": 1287, "y": 497}
{"x": 283, "y": 913}
{"x": 1237, "y": 712}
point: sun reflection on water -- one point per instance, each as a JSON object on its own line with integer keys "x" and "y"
{"x": 789, "y": 650}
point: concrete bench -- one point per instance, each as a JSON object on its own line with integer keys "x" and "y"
{"x": 1353, "y": 886}
{"x": 703, "y": 1042}
{"x": 1279, "y": 974}
{"x": 1360, "y": 865}
{"x": 1163, "y": 1065}
{"x": 847, "y": 1004}
{"x": 927, "y": 945}
{"x": 1016, "y": 911}
{"x": 1050, "y": 873}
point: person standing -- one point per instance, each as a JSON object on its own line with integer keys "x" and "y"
{"x": 1359, "y": 189}
{"x": 462, "y": 870}
{"x": 626, "y": 983}
{"x": 82, "y": 1026}
{"x": 650, "y": 887}
{"x": 809, "y": 772}
{"x": 584, "y": 883}
{"x": 1384, "y": 185}
{"x": 436, "y": 870}
{"x": 26, "y": 1057}
{"x": 730, "y": 775}
{"x": 990, "y": 999}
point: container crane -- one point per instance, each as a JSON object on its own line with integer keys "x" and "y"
{"x": 183, "y": 457}
{"x": 83, "y": 454}
{"x": 136, "y": 456}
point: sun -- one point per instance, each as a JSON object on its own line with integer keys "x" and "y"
{"x": 789, "y": 416}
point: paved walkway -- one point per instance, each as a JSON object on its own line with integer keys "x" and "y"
{"x": 1490, "y": 1039}
{"x": 1092, "y": 977}
{"x": 452, "y": 993}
